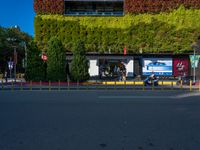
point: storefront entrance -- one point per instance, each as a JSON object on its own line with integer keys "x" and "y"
{"x": 112, "y": 68}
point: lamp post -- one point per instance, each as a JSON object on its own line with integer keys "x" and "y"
{"x": 14, "y": 56}
{"x": 25, "y": 47}
{"x": 195, "y": 48}
{"x": 194, "y": 63}
{"x": 10, "y": 66}
{"x": 23, "y": 43}
{"x": 15, "y": 62}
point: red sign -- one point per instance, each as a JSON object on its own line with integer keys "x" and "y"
{"x": 180, "y": 66}
{"x": 124, "y": 51}
{"x": 44, "y": 57}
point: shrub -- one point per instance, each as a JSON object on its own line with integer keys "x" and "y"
{"x": 79, "y": 65}
{"x": 35, "y": 70}
{"x": 56, "y": 60}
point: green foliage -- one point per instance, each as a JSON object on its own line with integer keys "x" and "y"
{"x": 10, "y": 37}
{"x": 35, "y": 70}
{"x": 79, "y": 65}
{"x": 56, "y": 60}
{"x": 153, "y": 33}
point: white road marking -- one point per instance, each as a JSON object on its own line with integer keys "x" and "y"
{"x": 133, "y": 97}
{"x": 151, "y": 97}
{"x": 188, "y": 95}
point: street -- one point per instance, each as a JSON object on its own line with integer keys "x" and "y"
{"x": 99, "y": 120}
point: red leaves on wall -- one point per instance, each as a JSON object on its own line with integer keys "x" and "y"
{"x": 49, "y": 6}
{"x": 131, "y": 6}
{"x": 154, "y": 6}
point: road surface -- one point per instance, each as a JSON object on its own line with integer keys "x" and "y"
{"x": 99, "y": 120}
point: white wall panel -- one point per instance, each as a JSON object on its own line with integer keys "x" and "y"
{"x": 93, "y": 67}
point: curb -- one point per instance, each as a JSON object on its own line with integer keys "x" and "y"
{"x": 137, "y": 83}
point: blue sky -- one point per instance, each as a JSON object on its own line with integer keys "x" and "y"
{"x": 17, "y": 12}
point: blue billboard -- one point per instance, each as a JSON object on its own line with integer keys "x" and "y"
{"x": 158, "y": 66}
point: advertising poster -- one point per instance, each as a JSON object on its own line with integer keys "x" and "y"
{"x": 194, "y": 60}
{"x": 180, "y": 66}
{"x": 158, "y": 66}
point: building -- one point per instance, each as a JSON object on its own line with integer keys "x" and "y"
{"x": 150, "y": 32}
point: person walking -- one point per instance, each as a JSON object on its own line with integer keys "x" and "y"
{"x": 119, "y": 73}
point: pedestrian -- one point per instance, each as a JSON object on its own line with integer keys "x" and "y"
{"x": 152, "y": 76}
{"x": 123, "y": 76}
{"x": 100, "y": 71}
{"x": 6, "y": 76}
{"x": 119, "y": 73}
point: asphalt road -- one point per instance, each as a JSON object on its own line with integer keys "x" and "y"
{"x": 99, "y": 120}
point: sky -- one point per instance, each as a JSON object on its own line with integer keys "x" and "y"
{"x": 17, "y": 12}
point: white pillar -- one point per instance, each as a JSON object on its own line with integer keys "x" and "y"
{"x": 130, "y": 68}
{"x": 93, "y": 68}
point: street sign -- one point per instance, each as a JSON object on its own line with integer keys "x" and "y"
{"x": 44, "y": 57}
{"x": 10, "y": 65}
{"x": 194, "y": 60}
{"x": 124, "y": 51}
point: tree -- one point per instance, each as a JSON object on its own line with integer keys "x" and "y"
{"x": 56, "y": 60}
{"x": 196, "y": 45}
{"x": 10, "y": 37}
{"x": 79, "y": 65}
{"x": 35, "y": 70}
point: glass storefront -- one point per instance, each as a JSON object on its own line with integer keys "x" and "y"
{"x": 112, "y": 68}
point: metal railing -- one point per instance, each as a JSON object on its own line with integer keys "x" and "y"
{"x": 107, "y": 85}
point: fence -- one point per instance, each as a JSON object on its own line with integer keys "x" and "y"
{"x": 107, "y": 85}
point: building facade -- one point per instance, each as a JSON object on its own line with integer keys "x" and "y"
{"x": 154, "y": 33}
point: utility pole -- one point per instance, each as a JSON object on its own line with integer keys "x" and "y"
{"x": 194, "y": 69}
{"x": 25, "y": 47}
{"x": 196, "y": 47}
{"x": 15, "y": 62}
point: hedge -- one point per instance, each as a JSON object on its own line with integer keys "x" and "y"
{"x": 164, "y": 32}
{"x": 130, "y": 6}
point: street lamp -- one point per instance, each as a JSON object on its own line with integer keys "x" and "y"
{"x": 15, "y": 61}
{"x": 14, "y": 56}
{"x": 194, "y": 70}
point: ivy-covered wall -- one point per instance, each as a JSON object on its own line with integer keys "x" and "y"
{"x": 164, "y": 32}
{"x": 131, "y": 6}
